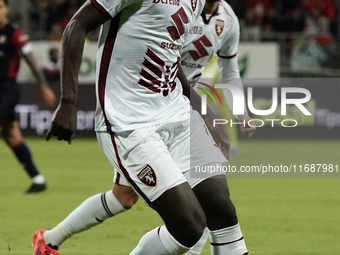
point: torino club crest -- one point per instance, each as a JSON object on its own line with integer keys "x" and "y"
{"x": 148, "y": 176}
{"x": 219, "y": 26}
{"x": 193, "y": 5}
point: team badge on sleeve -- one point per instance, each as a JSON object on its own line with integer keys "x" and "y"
{"x": 148, "y": 176}
{"x": 219, "y": 26}
{"x": 193, "y": 5}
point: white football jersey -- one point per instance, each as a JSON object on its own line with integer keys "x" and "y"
{"x": 211, "y": 34}
{"x": 137, "y": 61}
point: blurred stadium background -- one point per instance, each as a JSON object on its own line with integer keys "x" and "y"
{"x": 281, "y": 40}
{"x": 307, "y": 31}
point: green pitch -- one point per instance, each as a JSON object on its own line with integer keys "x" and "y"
{"x": 291, "y": 216}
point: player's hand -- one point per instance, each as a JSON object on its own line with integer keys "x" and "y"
{"x": 48, "y": 95}
{"x": 247, "y": 129}
{"x": 64, "y": 122}
{"x": 219, "y": 135}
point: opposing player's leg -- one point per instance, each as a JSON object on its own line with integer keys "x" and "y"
{"x": 13, "y": 137}
{"x": 10, "y": 131}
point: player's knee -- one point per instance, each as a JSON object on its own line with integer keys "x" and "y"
{"x": 125, "y": 195}
{"x": 222, "y": 214}
{"x": 129, "y": 200}
{"x": 13, "y": 142}
{"x": 12, "y": 135}
{"x": 192, "y": 227}
{"x": 198, "y": 227}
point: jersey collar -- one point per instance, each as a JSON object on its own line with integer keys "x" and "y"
{"x": 204, "y": 17}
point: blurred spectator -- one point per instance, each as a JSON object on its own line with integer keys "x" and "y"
{"x": 70, "y": 12}
{"x": 337, "y": 5}
{"x": 250, "y": 27}
{"x": 56, "y": 32}
{"x": 46, "y": 13}
{"x": 259, "y": 7}
{"x": 260, "y": 19}
{"x": 326, "y": 7}
{"x": 318, "y": 25}
{"x": 239, "y": 7}
{"x": 284, "y": 7}
{"x": 52, "y": 67}
{"x": 296, "y": 21}
{"x": 270, "y": 22}
{"x": 335, "y": 27}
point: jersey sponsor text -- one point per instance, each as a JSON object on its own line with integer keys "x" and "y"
{"x": 170, "y": 46}
{"x": 197, "y": 30}
{"x": 191, "y": 65}
{"x": 171, "y": 2}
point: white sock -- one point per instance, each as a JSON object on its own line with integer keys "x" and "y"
{"x": 91, "y": 212}
{"x": 228, "y": 241}
{"x": 159, "y": 241}
{"x": 197, "y": 248}
{"x": 38, "y": 179}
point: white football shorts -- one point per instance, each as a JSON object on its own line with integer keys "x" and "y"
{"x": 157, "y": 158}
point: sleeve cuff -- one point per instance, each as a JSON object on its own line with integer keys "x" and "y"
{"x": 226, "y": 57}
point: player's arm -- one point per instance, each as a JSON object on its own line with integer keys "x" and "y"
{"x": 87, "y": 18}
{"x": 218, "y": 132}
{"x": 21, "y": 44}
{"x": 47, "y": 93}
{"x": 230, "y": 74}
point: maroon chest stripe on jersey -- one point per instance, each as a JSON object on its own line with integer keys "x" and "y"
{"x": 148, "y": 86}
{"x": 175, "y": 70}
{"x": 157, "y": 80}
{"x": 155, "y": 58}
{"x": 152, "y": 68}
{"x": 149, "y": 77}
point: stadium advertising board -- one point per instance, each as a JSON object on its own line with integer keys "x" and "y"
{"x": 322, "y": 122}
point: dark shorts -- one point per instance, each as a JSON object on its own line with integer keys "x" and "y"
{"x": 9, "y": 98}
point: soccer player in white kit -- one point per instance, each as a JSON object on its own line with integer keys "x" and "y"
{"x": 143, "y": 124}
{"x": 216, "y": 31}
